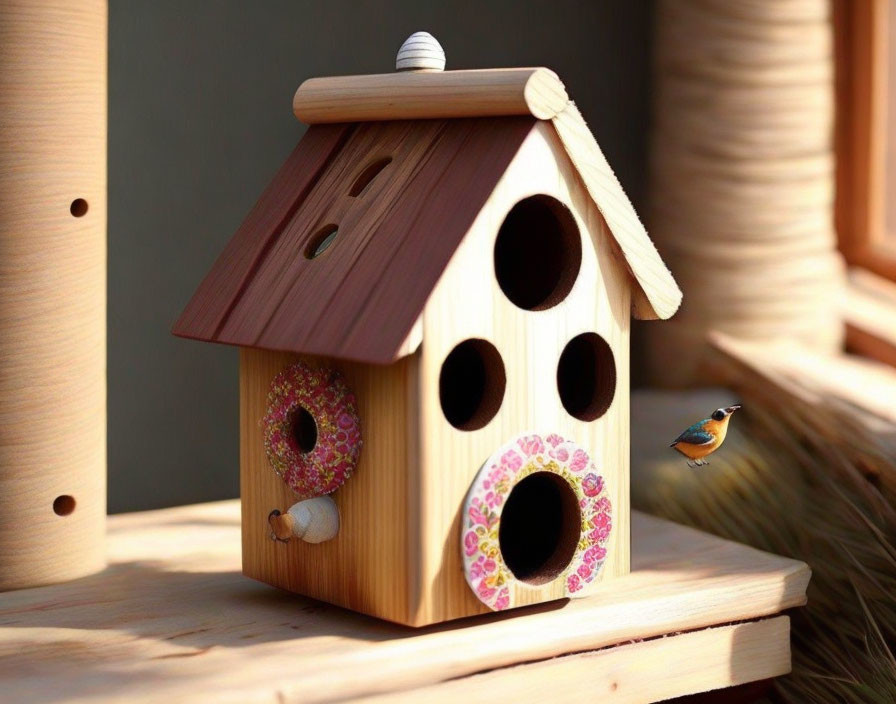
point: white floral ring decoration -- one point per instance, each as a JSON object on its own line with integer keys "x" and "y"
{"x": 484, "y": 567}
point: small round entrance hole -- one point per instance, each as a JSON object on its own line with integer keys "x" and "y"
{"x": 64, "y": 505}
{"x": 78, "y": 208}
{"x": 304, "y": 430}
{"x": 538, "y": 253}
{"x": 586, "y": 376}
{"x": 321, "y": 241}
{"x": 471, "y": 384}
{"x": 540, "y": 528}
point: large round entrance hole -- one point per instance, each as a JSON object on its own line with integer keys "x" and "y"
{"x": 304, "y": 430}
{"x": 540, "y": 528}
{"x": 471, "y": 384}
{"x": 586, "y": 376}
{"x": 538, "y": 253}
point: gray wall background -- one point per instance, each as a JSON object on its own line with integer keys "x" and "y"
{"x": 199, "y": 120}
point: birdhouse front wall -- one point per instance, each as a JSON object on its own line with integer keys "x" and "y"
{"x": 520, "y": 329}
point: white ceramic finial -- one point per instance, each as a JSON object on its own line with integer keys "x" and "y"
{"x": 420, "y": 52}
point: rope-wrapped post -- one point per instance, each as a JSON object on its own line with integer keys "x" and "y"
{"x": 52, "y": 290}
{"x": 742, "y": 177}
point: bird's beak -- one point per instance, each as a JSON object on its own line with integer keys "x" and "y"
{"x": 732, "y": 409}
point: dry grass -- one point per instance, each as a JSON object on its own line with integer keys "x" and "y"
{"x": 782, "y": 485}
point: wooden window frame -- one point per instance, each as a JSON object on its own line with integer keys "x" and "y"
{"x": 860, "y": 46}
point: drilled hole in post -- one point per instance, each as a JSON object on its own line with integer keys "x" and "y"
{"x": 304, "y": 430}
{"x": 538, "y": 253}
{"x": 365, "y": 178}
{"x": 471, "y": 384}
{"x": 540, "y": 528}
{"x": 586, "y": 376}
{"x": 64, "y": 505}
{"x": 78, "y": 208}
{"x": 322, "y": 241}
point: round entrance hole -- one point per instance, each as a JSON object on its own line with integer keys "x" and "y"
{"x": 538, "y": 253}
{"x": 304, "y": 430}
{"x": 471, "y": 384}
{"x": 586, "y": 376}
{"x": 78, "y": 207}
{"x": 64, "y": 505}
{"x": 540, "y": 528}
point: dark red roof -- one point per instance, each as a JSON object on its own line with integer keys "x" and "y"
{"x": 360, "y": 298}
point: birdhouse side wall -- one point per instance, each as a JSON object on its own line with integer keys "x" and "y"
{"x": 468, "y": 303}
{"x": 365, "y": 567}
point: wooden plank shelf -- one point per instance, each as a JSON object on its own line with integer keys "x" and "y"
{"x": 172, "y": 619}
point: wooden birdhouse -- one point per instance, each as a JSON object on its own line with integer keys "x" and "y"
{"x": 432, "y": 300}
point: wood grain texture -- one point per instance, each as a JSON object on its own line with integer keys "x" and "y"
{"x": 742, "y": 179}
{"x": 431, "y": 95}
{"x": 656, "y": 295}
{"x": 637, "y": 673}
{"x": 52, "y": 289}
{"x": 419, "y": 467}
{"x": 852, "y": 392}
{"x": 360, "y": 299}
{"x": 172, "y": 619}
{"x": 238, "y": 264}
{"x": 844, "y": 402}
{"x": 869, "y": 308}
{"x": 862, "y": 34}
{"x": 367, "y": 566}
{"x": 468, "y": 303}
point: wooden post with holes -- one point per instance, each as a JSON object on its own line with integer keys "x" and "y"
{"x": 52, "y": 290}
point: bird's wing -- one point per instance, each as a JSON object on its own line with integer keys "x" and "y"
{"x": 695, "y": 435}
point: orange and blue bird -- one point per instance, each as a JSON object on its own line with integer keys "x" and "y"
{"x": 704, "y": 436}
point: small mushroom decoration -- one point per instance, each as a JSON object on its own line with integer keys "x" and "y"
{"x": 313, "y": 520}
{"x": 312, "y": 438}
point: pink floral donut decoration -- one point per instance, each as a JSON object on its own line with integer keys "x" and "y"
{"x": 486, "y": 573}
{"x": 323, "y": 394}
